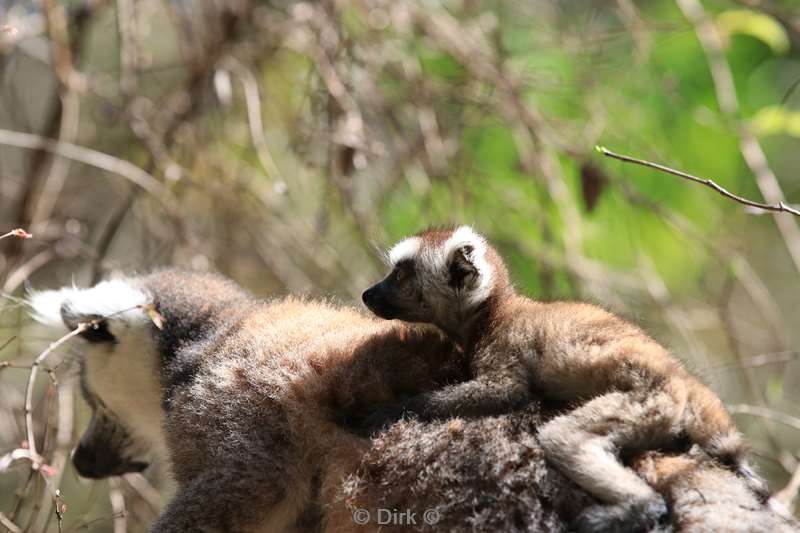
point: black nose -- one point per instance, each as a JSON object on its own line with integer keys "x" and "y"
{"x": 368, "y": 296}
{"x": 86, "y": 462}
{"x": 97, "y": 463}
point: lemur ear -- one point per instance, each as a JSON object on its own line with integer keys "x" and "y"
{"x": 461, "y": 269}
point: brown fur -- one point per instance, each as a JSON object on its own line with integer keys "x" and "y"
{"x": 490, "y": 474}
{"x": 257, "y": 398}
{"x": 632, "y": 394}
{"x": 253, "y": 431}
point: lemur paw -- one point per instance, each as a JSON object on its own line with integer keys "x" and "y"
{"x": 633, "y": 517}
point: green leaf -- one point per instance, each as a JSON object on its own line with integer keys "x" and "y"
{"x": 769, "y": 120}
{"x": 759, "y": 25}
{"x": 776, "y": 120}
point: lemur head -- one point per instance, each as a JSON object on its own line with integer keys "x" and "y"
{"x": 119, "y": 377}
{"x": 441, "y": 277}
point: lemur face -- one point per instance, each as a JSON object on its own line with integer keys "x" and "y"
{"x": 399, "y": 295}
{"x": 437, "y": 277}
{"x": 119, "y": 365}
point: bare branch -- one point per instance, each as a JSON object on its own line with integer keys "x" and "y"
{"x": 145, "y": 490}
{"x": 779, "y": 207}
{"x": 118, "y": 505}
{"x": 765, "y": 412}
{"x": 788, "y": 493}
{"x": 93, "y": 158}
{"x": 760, "y": 360}
{"x": 253, "y": 103}
{"x": 21, "y": 273}
{"x": 712, "y": 43}
{"x": 19, "y": 232}
{"x": 7, "y": 523}
{"x": 34, "y": 456}
{"x": 66, "y": 421}
{"x": 126, "y": 25}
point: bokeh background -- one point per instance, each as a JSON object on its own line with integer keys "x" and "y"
{"x": 286, "y": 144}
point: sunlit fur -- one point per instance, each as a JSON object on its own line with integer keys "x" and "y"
{"x": 433, "y": 300}
{"x": 246, "y": 398}
{"x": 404, "y": 249}
{"x": 634, "y": 395}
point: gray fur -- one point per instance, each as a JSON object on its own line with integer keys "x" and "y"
{"x": 631, "y": 394}
{"x": 255, "y": 400}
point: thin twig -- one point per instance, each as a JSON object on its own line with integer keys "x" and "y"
{"x": 23, "y": 272}
{"x": 128, "y": 52}
{"x": 93, "y": 158}
{"x": 713, "y": 47}
{"x": 34, "y": 457}
{"x": 774, "y": 358}
{"x": 71, "y": 81}
{"x": 19, "y": 232}
{"x": 66, "y": 419}
{"x": 145, "y": 491}
{"x": 755, "y": 391}
{"x": 788, "y": 493}
{"x": 11, "y": 526}
{"x": 117, "y": 505}
{"x": 765, "y": 412}
{"x": 779, "y": 207}
{"x": 7, "y": 342}
{"x": 789, "y": 91}
{"x": 253, "y": 104}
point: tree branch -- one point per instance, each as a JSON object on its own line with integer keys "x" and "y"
{"x": 781, "y": 207}
{"x": 93, "y": 158}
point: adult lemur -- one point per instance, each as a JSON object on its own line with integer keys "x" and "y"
{"x": 633, "y": 394}
{"x": 241, "y": 397}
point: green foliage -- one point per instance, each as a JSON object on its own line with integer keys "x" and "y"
{"x": 758, "y": 25}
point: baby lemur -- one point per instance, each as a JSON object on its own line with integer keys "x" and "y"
{"x": 629, "y": 394}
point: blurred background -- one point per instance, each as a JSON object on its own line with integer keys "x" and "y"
{"x": 286, "y": 144}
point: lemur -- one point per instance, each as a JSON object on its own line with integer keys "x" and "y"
{"x": 243, "y": 399}
{"x": 237, "y": 395}
{"x": 629, "y": 393}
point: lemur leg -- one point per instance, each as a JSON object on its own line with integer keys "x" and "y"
{"x": 584, "y": 444}
{"x": 487, "y": 395}
{"x": 229, "y": 500}
{"x": 484, "y": 396}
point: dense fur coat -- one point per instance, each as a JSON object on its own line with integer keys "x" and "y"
{"x": 625, "y": 392}
{"x": 251, "y": 404}
{"x": 242, "y": 397}
{"x": 489, "y": 474}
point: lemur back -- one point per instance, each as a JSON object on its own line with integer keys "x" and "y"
{"x": 632, "y": 394}
{"x": 243, "y": 398}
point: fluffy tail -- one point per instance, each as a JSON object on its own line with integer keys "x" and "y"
{"x": 116, "y": 305}
{"x": 711, "y": 427}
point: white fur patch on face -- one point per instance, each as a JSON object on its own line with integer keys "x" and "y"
{"x": 113, "y": 297}
{"x": 461, "y": 237}
{"x": 405, "y": 249}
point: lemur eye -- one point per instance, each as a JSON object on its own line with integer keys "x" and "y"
{"x": 403, "y": 271}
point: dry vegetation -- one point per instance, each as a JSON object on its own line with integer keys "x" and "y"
{"x": 281, "y": 142}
